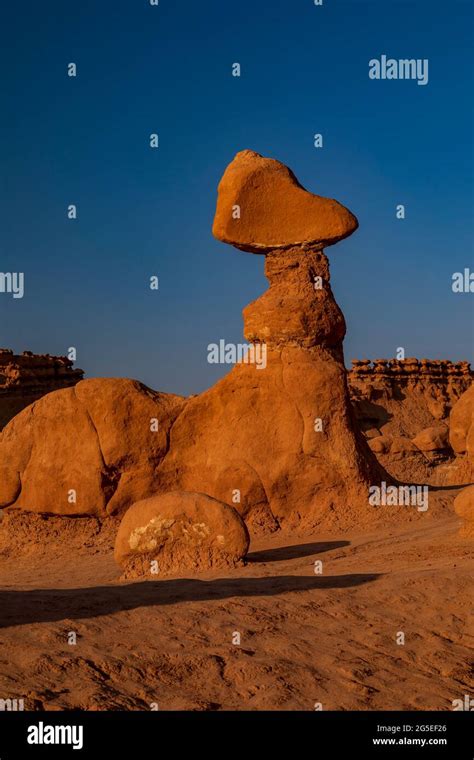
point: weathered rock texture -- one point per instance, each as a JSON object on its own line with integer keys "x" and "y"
{"x": 461, "y": 425}
{"x": 88, "y": 450}
{"x": 261, "y": 206}
{"x": 403, "y": 408}
{"x": 461, "y": 437}
{"x": 254, "y": 436}
{"x": 26, "y": 377}
{"x": 179, "y": 531}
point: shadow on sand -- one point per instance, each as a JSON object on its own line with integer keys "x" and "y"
{"x": 294, "y": 552}
{"x": 49, "y": 605}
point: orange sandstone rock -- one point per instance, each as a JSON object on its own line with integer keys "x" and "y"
{"x": 433, "y": 438}
{"x": 401, "y": 445}
{"x": 179, "y": 531}
{"x": 299, "y": 307}
{"x": 380, "y": 444}
{"x": 461, "y": 425}
{"x": 280, "y": 443}
{"x": 88, "y": 450}
{"x": 464, "y": 507}
{"x": 261, "y": 206}
{"x": 461, "y": 438}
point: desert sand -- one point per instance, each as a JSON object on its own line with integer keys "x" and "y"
{"x": 305, "y": 638}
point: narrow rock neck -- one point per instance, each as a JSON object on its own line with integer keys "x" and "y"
{"x": 299, "y": 307}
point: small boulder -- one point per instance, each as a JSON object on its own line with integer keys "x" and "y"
{"x": 402, "y": 445}
{"x": 180, "y": 531}
{"x": 381, "y": 444}
{"x": 433, "y": 438}
{"x": 372, "y": 433}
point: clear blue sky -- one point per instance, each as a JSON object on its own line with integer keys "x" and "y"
{"x": 167, "y": 69}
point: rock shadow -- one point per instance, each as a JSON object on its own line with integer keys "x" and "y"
{"x": 282, "y": 553}
{"x": 51, "y": 605}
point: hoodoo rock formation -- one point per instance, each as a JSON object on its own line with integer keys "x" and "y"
{"x": 280, "y": 443}
{"x": 26, "y": 377}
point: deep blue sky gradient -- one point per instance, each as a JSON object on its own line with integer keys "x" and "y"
{"x": 143, "y": 69}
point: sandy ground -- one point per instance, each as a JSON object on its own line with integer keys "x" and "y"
{"x": 304, "y": 638}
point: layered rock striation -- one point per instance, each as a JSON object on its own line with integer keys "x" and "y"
{"x": 403, "y": 407}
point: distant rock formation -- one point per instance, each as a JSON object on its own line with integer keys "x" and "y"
{"x": 26, "y": 377}
{"x": 387, "y": 374}
{"x": 403, "y": 408}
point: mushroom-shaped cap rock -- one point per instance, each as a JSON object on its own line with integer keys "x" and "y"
{"x": 261, "y": 206}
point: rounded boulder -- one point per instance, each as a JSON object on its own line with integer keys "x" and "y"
{"x": 177, "y": 531}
